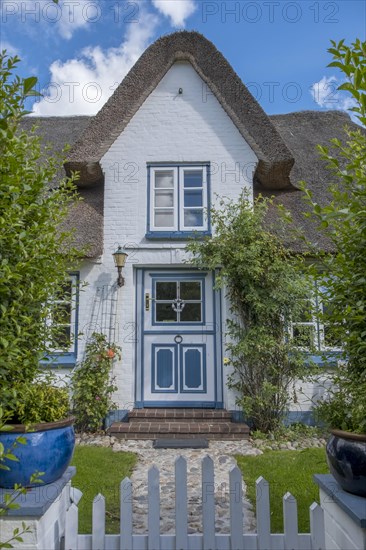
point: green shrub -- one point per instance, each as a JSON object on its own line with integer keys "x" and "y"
{"x": 265, "y": 288}
{"x": 92, "y": 384}
{"x": 42, "y": 401}
{"x": 36, "y": 254}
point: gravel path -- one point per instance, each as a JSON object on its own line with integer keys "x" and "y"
{"x": 222, "y": 454}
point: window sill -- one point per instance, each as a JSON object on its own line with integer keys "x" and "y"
{"x": 176, "y": 235}
{"x": 324, "y": 358}
{"x": 67, "y": 360}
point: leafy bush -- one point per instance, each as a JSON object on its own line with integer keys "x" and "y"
{"x": 35, "y": 253}
{"x": 343, "y": 273}
{"x": 92, "y": 384}
{"x": 41, "y": 401}
{"x": 265, "y": 288}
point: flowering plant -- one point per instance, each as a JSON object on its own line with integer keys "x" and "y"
{"x": 92, "y": 384}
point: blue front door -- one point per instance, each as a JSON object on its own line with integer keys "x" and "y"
{"x": 178, "y": 352}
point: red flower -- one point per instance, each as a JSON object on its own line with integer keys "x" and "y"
{"x": 110, "y": 354}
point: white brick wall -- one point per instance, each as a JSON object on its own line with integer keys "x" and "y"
{"x": 168, "y": 127}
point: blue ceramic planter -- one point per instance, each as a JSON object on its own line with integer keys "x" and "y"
{"x": 49, "y": 449}
{"x": 346, "y": 457}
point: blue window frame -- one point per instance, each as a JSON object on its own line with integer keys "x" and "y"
{"x": 178, "y": 200}
{"x": 65, "y": 320}
{"x": 311, "y": 332}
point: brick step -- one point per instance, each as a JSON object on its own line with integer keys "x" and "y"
{"x": 216, "y": 429}
{"x": 162, "y": 415}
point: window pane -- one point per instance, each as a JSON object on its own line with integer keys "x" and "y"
{"x": 62, "y": 313}
{"x": 64, "y": 292}
{"x": 193, "y": 178}
{"x": 164, "y": 178}
{"x": 193, "y": 197}
{"x": 164, "y": 198}
{"x": 165, "y": 313}
{"x": 190, "y": 290}
{"x": 191, "y": 312}
{"x": 306, "y": 314}
{"x": 164, "y": 218}
{"x": 331, "y": 337}
{"x": 166, "y": 290}
{"x": 63, "y": 337}
{"x": 304, "y": 335}
{"x": 193, "y": 218}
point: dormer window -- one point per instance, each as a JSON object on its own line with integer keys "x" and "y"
{"x": 178, "y": 200}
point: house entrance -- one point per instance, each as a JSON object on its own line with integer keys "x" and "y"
{"x": 179, "y": 332}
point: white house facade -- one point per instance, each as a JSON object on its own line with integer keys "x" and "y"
{"x": 180, "y": 132}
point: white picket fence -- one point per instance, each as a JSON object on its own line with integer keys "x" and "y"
{"x": 263, "y": 539}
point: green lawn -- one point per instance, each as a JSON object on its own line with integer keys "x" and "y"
{"x": 100, "y": 470}
{"x": 286, "y": 471}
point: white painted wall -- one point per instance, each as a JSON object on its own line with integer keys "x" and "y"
{"x": 168, "y": 128}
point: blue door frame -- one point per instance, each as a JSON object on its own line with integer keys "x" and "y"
{"x": 147, "y": 348}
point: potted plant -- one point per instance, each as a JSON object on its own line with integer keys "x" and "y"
{"x": 41, "y": 422}
{"x": 344, "y": 411}
{"x": 35, "y": 257}
{"x": 343, "y": 275}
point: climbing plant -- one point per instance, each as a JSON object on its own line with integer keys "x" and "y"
{"x": 265, "y": 289}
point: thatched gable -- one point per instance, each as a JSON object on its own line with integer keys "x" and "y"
{"x": 86, "y": 217}
{"x": 275, "y": 160}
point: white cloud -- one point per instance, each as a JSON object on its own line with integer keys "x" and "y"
{"x": 176, "y": 10}
{"x": 76, "y": 14}
{"x": 82, "y": 85}
{"x": 10, "y": 49}
{"x": 67, "y": 16}
{"x": 326, "y": 95}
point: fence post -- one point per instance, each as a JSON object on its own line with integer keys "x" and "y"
{"x": 317, "y": 529}
{"x": 181, "y": 511}
{"x": 263, "y": 513}
{"x": 290, "y": 521}
{"x": 153, "y": 521}
{"x": 208, "y": 504}
{"x": 98, "y": 528}
{"x": 236, "y": 509}
{"x": 126, "y": 514}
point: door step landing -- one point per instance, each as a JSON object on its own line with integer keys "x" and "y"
{"x": 179, "y": 424}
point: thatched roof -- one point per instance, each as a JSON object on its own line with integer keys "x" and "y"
{"x": 275, "y": 160}
{"x": 300, "y": 131}
{"x": 87, "y": 216}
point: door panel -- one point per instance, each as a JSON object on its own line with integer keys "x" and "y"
{"x": 178, "y": 351}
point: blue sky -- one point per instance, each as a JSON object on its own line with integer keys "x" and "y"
{"x": 81, "y": 49}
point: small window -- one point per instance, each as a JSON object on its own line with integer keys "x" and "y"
{"x": 310, "y": 331}
{"x": 178, "y": 199}
{"x": 305, "y": 328}
{"x": 178, "y": 302}
{"x": 64, "y": 318}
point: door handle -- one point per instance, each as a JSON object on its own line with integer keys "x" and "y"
{"x": 178, "y": 339}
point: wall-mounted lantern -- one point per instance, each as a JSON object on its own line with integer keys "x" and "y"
{"x": 119, "y": 261}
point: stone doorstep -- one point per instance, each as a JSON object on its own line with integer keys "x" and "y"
{"x": 148, "y": 436}
{"x": 162, "y": 414}
{"x": 179, "y": 427}
{"x": 158, "y": 423}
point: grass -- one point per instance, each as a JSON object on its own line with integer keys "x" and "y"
{"x": 285, "y": 471}
{"x": 100, "y": 470}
